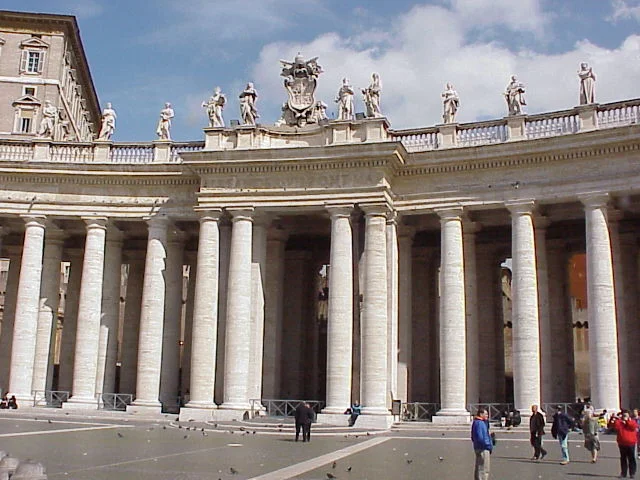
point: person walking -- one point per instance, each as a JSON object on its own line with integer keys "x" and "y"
{"x": 482, "y": 444}
{"x": 560, "y": 429}
{"x": 590, "y": 432}
{"x": 626, "y": 435}
{"x": 300, "y": 415}
{"x": 308, "y": 418}
{"x": 536, "y": 429}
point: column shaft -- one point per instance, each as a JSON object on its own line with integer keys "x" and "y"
{"x": 131, "y": 325}
{"x": 374, "y": 335}
{"x": 405, "y": 273}
{"x": 392, "y": 308}
{"x": 471, "y": 311}
{"x": 546, "y": 371}
{"x": 27, "y": 303}
{"x": 70, "y": 324}
{"x": 340, "y": 312}
{"x": 223, "y": 294}
{"x": 8, "y": 317}
{"x": 259, "y": 264}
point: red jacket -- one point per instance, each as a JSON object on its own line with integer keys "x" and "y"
{"x": 626, "y": 431}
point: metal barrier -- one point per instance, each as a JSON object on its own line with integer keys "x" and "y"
{"x": 282, "y": 408}
{"x": 574, "y": 410}
{"x": 419, "y": 411}
{"x": 496, "y": 410}
{"x": 50, "y": 398}
{"x": 115, "y": 401}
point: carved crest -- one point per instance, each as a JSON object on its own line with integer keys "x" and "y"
{"x": 300, "y": 81}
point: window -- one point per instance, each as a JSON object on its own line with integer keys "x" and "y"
{"x": 31, "y": 91}
{"x": 25, "y": 125}
{"x": 24, "y": 120}
{"x": 32, "y": 61}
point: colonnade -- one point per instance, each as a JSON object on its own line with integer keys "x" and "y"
{"x": 236, "y": 309}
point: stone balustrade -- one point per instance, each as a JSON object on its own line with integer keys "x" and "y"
{"x": 517, "y": 128}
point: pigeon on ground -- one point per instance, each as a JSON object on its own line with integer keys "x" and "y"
{"x": 120, "y": 435}
{"x": 185, "y": 437}
{"x": 348, "y": 469}
{"x": 409, "y": 461}
{"x": 232, "y": 470}
{"x": 331, "y": 475}
{"x": 441, "y": 458}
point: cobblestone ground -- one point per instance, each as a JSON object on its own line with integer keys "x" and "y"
{"x": 101, "y": 449}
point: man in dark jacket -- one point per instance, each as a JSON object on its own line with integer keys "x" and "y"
{"x": 560, "y": 429}
{"x": 304, "y": 416}
{"x": 482, "y": 444}
{"x": 536, "y": 428}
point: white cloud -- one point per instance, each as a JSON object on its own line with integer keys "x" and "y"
{"x": 521, "y": 15}
{"x": 428, "y": 46}
{"x": 84, "y": 8}
{"x": 625, "y": 9}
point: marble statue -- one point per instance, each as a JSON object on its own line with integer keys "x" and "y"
{"x": 372, "y": 97}
{"x": 214, "y": 108}
{"x": 164, "y": 123}
{"x": 587, "y": 84}
{"x": 248, "y": 111}
{"x": 108, "y": 123}
{"x": 514, "y": 94}
{"x": 300, "y": 81}
{"x": 49, "y": 120}
{"x": 344, "y": 99}
{"x": 451, "y": 102}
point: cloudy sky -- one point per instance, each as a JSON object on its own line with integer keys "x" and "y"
{"x": 143, "y": 53}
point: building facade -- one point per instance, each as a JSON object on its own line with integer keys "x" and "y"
{"x": 336, "y": 262}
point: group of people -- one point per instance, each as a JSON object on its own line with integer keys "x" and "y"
{"x": 6, "y": 403}
{"x": 625, "y": 425}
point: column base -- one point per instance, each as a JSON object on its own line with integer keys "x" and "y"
{"x": 335, "y": 410}
{"x": 375, "y": 411}
{"x": 451, "y": 417}
{"x": 145, "y": 408}
{"x": 193, "y": 413}
{"x": 224, "y": 414}
{"x": 337, "y": 419}
{"x": 80, "y": 404}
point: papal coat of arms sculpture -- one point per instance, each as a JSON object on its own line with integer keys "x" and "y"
{"x": 300, "y": 82}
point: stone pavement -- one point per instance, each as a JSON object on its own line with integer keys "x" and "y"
{"x": 72, "y": 448}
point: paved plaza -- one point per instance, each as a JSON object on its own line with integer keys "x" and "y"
{"x": 127, "y": 449}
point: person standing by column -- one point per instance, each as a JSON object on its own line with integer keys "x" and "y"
{"x": 308, "y": 418}
{"x": 536, "y": 428}
{"x": 560, "y": 430}
{"x": 482, "y": 444}
{"x": 626, "y": 435}
{"x": 590, "y": 432}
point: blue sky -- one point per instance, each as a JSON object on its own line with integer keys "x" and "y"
{"x": 143, "y": 54}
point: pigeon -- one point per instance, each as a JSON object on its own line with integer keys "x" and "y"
{"x": 409, "y": 461}
{"x": 331, "y": 475}
{"x": 441, "y": 458}
{"x": 185, "y": 437}
{"x": 120, "y": 435}
{"x": 164, "y": 427}
{"x": 179, "y": 426}
{"x": 202, "y": 429}
{"x": 254, "y": 432}
{"x": 49, "y": 421}
{"x": 232, "y": 470}
{"x": 348, "y": 469}
{"x": 334, "y": 465}
{"x": 215, "y": 425}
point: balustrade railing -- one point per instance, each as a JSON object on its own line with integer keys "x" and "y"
{"x": 496, "y": 410}
{"x": 115, "y": 401}
{"x": 77, "y": 153}
{"x": 574, "y": 410}
{"x": 178, "y": 148}
{"x": 131, "y": 153}
{"x": 282, "y": 407}
{"x": 619, "y": 114}
{"x": 50, "y": 398}
{"x": 419, "y": 411}
{"x": 419, "y": 141}
{"x": 552, "y": 126}
{"x": 470, "y": 136}
{"x": 16, "y": 151}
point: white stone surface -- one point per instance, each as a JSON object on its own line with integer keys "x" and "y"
{"x": 223, "y": 293}
{"x": 85, "y": 364}
{"x": 26, "y": 317}
{"x": 69, "y": 329}
{"x": 152, "y": 316}
{"x": 603, "y": 337}
{"x": 525, "y": 312}
{"x": 340, "y": 312}
{"x": 452, "y": 316}
{"x": 131, "y": 324}
{"x": 373, "y": 386}
{"x": 546, "y": 339}
{"x": 205, "y": 319}
{"x": 405, "y": 244}
{"x": 258, "y": 284}
{"x": 473, "y": 345}
{"x": 392, "y": 308}
{"x": 237, "y": 351}
{"x": 8, "y": 316}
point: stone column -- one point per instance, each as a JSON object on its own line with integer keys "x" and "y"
{"x": 259, "y": 260}
{"x": 70, "y": 323}
{"x": 152, "y": 319}
{"x": 405, "y": 274}
{"x": 8, "y": 316}
{"x": 111, "y": 306}
{"x": 546, "y": 339}
{"x": 85, "y": 363}
{"x": 471, "y": 311}
{"x": 274, "y": 293}
{"x": 392, "y": 307}
{"x": 205, "y": 314}
{"x": 223, "y": 282}
{"x": 603, "y": 337}
{"x": 452, "y": 319}
{"x": 525, "y": 313}
{"x": 131, "y": 324}
{"x": 26, "y": 316}
{"x": 374, "y": 335}
{"x": 185, "y": 380}
{"x": 237, "y": 346}
{"x": 340, "y": 311}
{"x": 487, "y": 289}
{"x": 170, "y": 370}
{"x": 48, "y": 311}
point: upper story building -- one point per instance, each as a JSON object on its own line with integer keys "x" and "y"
{"x": 42, "y": 60}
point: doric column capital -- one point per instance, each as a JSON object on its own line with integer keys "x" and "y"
{"x": 96, "y": 222}
{"x": 521, "y": 207}
{"x": 158, "y": 221}
{"x": 392, "y": 217}
{"x": 595, "y": 200}
{"x": 247, "y": 214}
{"x": 340, "y": 210}
{"x": 34, "y": 220}
{"x": 447, "y": 214}
{"x": 376, "y": 210}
